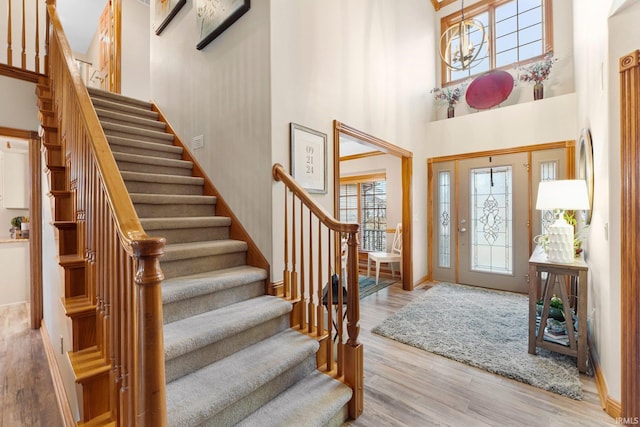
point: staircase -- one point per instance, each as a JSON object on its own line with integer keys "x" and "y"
{"x": 230, "y": 355}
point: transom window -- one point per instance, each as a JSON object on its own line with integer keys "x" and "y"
{"x": 363, "y": 199}
{"x": 517, "y": 31}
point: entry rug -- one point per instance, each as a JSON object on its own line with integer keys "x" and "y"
{"x": 483, "y": 328}
{"x": 367, "y": 284}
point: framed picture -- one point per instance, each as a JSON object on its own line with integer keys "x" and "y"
{"x": 215, "y": 16}
{"x": 309, "y": 158}
{"x": 165, "y": 10}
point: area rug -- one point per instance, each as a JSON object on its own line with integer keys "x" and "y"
{"x": 482, "y": 328}
{"x": 368, "y": 286}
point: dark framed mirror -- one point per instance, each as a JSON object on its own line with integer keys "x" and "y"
{"x": 585, "y": 169}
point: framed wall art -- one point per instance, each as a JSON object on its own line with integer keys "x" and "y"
{"x": 309, "y": 158}
{"x": 164, "y": 12}
{"x": 215, "y": 16}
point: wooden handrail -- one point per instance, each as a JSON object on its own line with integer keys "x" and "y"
{"x": 122, "y": 270}
{"x": 312, "y": 312}
{"x": 280, "y": 174}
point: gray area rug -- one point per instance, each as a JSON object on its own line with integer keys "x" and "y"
{"x": 483, "y": 328}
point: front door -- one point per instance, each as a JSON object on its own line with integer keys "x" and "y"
{"x": 492, "y": 226}
{"x": 483, "y": 215}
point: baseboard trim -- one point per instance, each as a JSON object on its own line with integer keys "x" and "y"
{"x": 58, "y": 385}
{"x": 612, "y": 407}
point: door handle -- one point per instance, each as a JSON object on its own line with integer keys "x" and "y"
{"x": 462, "y": 229}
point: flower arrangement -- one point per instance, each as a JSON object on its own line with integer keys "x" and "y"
{"x": 538, "y": 71}
{"x": 449, "y": 95}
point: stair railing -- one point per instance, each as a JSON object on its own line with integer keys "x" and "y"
{"x": 25, "y": 53}
{"x": 122, "y": 269}
{"x": 313, "y": 260}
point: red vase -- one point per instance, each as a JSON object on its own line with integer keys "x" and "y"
{"x": 538, "y": 91}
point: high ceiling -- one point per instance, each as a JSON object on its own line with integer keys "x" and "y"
{"x": 80, "y": 21}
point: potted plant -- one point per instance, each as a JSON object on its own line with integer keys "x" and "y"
{"x": 16, "y": 223}
{"x": 556, "y": 309}
{"x": 537, "y": 72}
{"x": 449, "y": 96}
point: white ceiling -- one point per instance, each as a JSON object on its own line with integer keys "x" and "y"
{"x": 350, "y": 146}
{"x": 80, "y": 21}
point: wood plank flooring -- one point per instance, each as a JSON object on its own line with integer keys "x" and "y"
{"x": 26, "y": 389}
{"x": 405, "y": 386}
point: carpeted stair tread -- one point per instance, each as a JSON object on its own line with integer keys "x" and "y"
{"x": 187, "y": 335}
{"x": 113, "y": 105}
{"x": 115, "y": 97}
{"x": 194, "y": 398}
{"x": 158, "y": 161}
{"x": 184, "y": 222}
{"x": 311, "y": 402}
{"x": 181, "y": 251}
{"x": 161, "y": 178}
{"x": 111, "y": 127}
{"x": 170, "y": 199}
{"x": 145, "y": 145}
{"x": 186, "y": 287}
{"x": 130, "y": 120}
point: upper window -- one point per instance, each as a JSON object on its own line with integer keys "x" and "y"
{"x": 517, "y": 31}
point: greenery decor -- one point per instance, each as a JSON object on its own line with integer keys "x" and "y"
{"x": 16, "y": 221}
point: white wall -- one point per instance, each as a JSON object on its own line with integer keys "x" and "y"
{"x": 18, "y": 104}
{"x": 135, "y": 50}
{"x": 18, "y": 146}
{"x": 223, "y": 93}
{"x": 366, "y": 63}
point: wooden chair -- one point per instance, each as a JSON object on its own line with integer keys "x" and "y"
{"x": 389, "y": 257}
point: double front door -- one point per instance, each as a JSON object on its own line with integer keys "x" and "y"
{"x": 483, "y": 216}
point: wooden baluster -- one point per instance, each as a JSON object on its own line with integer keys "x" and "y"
{"x": 9, "y": 31}
{"x": 301, "y": 309}
{"x": 329, "y": 305}
{"x": 310, "y": 312}
{"x": 354, "y": 355}
{"x": 340, "y": 313}
{"x": 37, "y": 56}
{"x": 24, "y": 38}
{"x": 294, "y": 273}
{"x": 318, "y": 305}
{"x": 285, "y": 271}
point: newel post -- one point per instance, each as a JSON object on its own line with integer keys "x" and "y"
{"x": 354, "y": 355}
{"x": 149, "y": 376}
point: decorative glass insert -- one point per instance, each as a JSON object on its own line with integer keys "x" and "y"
{"x": 492, "y": 220}
{"x": 444, "y": 219}
{"x": 548, "y": 172}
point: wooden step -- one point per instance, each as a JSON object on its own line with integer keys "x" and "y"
{"x": 91, "y": 370}
{"x": 62, "y": 205}
{"x": 102, "y": 420}
{"x": 74, "y": 278}
{"x": 67, "y": 237}
{"x": 82, "y": 312}
{"x": 56, "y": 176}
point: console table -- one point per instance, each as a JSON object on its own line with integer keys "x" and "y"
{"x": 576, "y": 298}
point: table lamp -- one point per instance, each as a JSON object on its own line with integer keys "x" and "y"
{"x": 558, "y": 196}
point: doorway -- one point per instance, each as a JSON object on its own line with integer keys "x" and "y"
{"x": 482, "y": 215}
{"x": 406, "y": 157}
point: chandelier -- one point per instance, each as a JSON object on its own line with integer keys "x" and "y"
{"x": 457, "y": 49}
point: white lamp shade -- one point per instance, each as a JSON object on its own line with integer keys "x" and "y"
{"x": 567, "y": 194}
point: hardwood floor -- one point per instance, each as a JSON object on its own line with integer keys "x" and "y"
{"x": 26, "y": 389}
{"x": 405, "y": 386}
